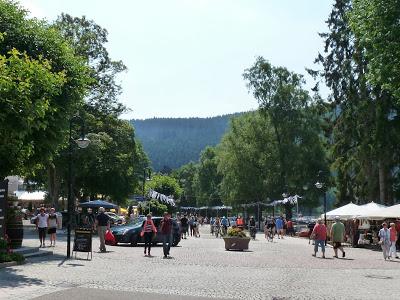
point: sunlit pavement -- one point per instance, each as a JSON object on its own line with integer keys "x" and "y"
{"x": 201, "y": 267}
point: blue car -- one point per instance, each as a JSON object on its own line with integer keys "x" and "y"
{"x": 130, "y": 233}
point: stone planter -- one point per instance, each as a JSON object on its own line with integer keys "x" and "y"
{"x": 236, "y": 243}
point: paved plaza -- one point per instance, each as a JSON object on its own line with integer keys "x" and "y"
{"x": 201, "y": 268}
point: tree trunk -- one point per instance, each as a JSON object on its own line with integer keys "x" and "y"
{"x": 54, "y": 185}
{"x": 382, "y": 182}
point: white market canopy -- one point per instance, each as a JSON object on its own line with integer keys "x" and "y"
{"x": 384, "y": 213}
{"x": 347, "y": 211}
{"x": 352, "y": 210}
{"x": 27, "y": 196}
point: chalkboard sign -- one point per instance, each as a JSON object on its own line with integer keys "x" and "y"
{"x": 3, "y": 206}
{"x": 82, "y": 240}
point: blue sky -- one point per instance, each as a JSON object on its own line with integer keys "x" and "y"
{"x": 186, "y": 58}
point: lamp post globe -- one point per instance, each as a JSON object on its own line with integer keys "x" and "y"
{"x": 83, "y": 142}
{"x": 318, "y": 185}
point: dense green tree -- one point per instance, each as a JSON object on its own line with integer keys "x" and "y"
{"x": 27, "y": 87}
{"x": 249, "y": 161}
{"x": 207, "y": 179}
{"x": 376, "y": 26}
{"x": 165, "y": 185}
{"x": 37, "y": 139}
{"x": 185, "y": 176}
{"x": 88, "y": 40}
{"x": 362, "y": 136}
{"x": 288, "y": 110}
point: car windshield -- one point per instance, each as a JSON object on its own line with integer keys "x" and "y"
{"x": 136, "y": 220}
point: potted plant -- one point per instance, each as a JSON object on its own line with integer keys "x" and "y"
{"x": 6, "y": 254}
{"x": 236, "y": 239}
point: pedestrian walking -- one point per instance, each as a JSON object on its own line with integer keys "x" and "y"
{"x": 41, "y": 225}
{"x": 319, "y": 236}
{"x": 148, "y": 231}
{"x": 338, "y": 236}
{"x": 279, "y": 227}
{"x": 102, "y": 225}
{"x": 191, "y": 225}
{"x": 166, "y": 231}
{"x": 52, "y": 225}
{"x": 393, "y": 240}
{"x": 384, "y": 236}
{"x": 290, "y": 228}
{"x": 184, "y": 227}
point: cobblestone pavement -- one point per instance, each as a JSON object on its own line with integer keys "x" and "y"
{"x": 283, "y": 269}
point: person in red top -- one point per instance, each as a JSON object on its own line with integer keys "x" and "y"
{"x": 290, "y": 229}
{"x": 240, "y": 222}
{"x": 393, "y": 240}
{"x": 148, "y": 230}
{"x": 397, "y": 226}
{"x": 319, "y": 234}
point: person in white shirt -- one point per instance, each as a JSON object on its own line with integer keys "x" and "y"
{"x": 384, "y": 236}
{"x": 42, "y": 221}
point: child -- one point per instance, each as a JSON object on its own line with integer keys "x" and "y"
{"x": 148, "y": 229}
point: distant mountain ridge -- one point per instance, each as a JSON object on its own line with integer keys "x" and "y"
{"x": 173, "y": 142}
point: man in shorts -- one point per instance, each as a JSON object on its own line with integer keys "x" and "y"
{"x": 338, "y": 236}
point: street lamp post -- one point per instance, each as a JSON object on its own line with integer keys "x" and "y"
{"x": 320, "y": 185}
{"x": 144, "y": 184}
{"x": 82, "y": 142}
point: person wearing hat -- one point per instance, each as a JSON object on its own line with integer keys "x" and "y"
{"x": 338, "y": 236}
{"x": 384, "y": 236}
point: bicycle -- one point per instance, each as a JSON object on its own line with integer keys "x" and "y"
{"x": 217, "y": 231}
{"x": 270, "y": 235}
{"x": 224, "y": 230}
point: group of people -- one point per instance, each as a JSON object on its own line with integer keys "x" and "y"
{"x": 387, "y": 238}
{"x": 47, "y": 222}
{"x": 189, "y": 225}
{"x": 149, "y": 230}
{"x": 280, "y": 226}
{"x": 337, "y": 233}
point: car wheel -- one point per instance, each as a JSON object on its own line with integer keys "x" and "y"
{"x": 134, "y": 241}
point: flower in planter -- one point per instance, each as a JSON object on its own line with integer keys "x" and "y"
{"x": 236, "y": 232}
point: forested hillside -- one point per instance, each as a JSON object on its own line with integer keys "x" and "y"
{"x": 173, "y": 142}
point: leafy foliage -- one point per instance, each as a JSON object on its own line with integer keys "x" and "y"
{"x": 42, "y": 82}
{"x": 236, "y": 232}
{"x": 362, "y": 131}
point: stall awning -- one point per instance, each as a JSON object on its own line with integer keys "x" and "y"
{"x": 97, "y": 204}
{"x": 30, "y": 196}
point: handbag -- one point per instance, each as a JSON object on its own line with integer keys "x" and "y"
{"x": 109, "y": 238}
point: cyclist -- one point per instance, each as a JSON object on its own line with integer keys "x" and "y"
{"x": 217, "y": 226}
{"x": 212, "y": 222}
{"x": 252, "y": 227}
{"x": 270, "y": 229}
{"x": 224, "y": 224}
{"x": 240, "y": 222}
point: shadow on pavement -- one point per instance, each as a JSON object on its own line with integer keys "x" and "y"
{"x": 9, "y": 278}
